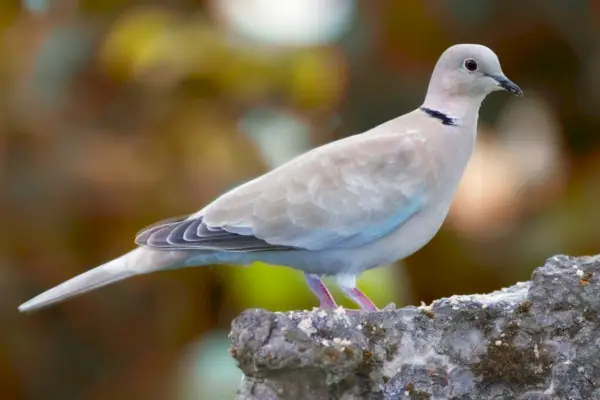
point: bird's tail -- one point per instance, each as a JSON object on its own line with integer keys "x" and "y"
{"x": 139, "y": 261}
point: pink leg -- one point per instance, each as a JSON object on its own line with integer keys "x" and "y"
{"x": 320, "y": 290}
{"x": 361, "y": 299}
{"x": 348, "y": 285}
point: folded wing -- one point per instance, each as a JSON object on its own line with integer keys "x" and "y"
{"x": 345, "y": 194}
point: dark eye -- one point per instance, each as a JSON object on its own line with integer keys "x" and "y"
{"x": 471, "y": 65}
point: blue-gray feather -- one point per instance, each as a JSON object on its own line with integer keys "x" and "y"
{"x": 357, "y": 197}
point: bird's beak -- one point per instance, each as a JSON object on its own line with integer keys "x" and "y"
{"x": 507, "y": 84}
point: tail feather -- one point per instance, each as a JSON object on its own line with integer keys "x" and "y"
{"x": 136, "y": 262}
{"x": 80, "y": 284}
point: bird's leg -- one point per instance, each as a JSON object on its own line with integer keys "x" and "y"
{"x": 320, "y": 290}
{"x": 347, "y": 284}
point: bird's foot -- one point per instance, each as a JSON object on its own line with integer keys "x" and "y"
{"x": 320, "y": 290}
{"x": 361, "y": 300}
{"x": 348, "y": 285}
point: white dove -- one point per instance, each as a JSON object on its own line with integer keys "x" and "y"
{"x": 337, "y": 210}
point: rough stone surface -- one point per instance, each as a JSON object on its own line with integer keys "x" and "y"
{"x": 535, "y": 340}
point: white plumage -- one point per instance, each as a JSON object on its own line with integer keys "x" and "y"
{"x": 339, "y": 209}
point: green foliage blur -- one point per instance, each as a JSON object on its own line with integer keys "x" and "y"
{"x": 115, "y": 114}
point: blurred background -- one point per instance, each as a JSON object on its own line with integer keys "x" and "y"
{"x": 118, "y": 113}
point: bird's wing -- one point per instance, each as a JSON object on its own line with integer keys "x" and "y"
{"x": 344, "y": 194}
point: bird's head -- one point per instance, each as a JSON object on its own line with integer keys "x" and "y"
{"x": 469, "y": 71}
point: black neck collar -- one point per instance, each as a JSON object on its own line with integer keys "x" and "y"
{"x": 444, "y": 118}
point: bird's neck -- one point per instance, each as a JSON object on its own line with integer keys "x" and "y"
{"x": 463, "y": 111}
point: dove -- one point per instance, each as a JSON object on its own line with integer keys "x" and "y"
{"x": 338, "y": 210}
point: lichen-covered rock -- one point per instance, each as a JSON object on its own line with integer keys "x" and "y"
{"x": 535, "y": 340}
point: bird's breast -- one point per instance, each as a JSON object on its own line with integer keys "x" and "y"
{"x": 450, "y": 155}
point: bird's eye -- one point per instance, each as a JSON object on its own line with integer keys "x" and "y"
{"x": 471, "y": 65}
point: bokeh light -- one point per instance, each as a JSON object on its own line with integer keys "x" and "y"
{"x": 118, "y": 113}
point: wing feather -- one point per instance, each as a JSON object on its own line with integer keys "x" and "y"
{"x": 341, "y": 195}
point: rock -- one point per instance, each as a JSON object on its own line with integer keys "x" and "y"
{"x": 535, "y": 340}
